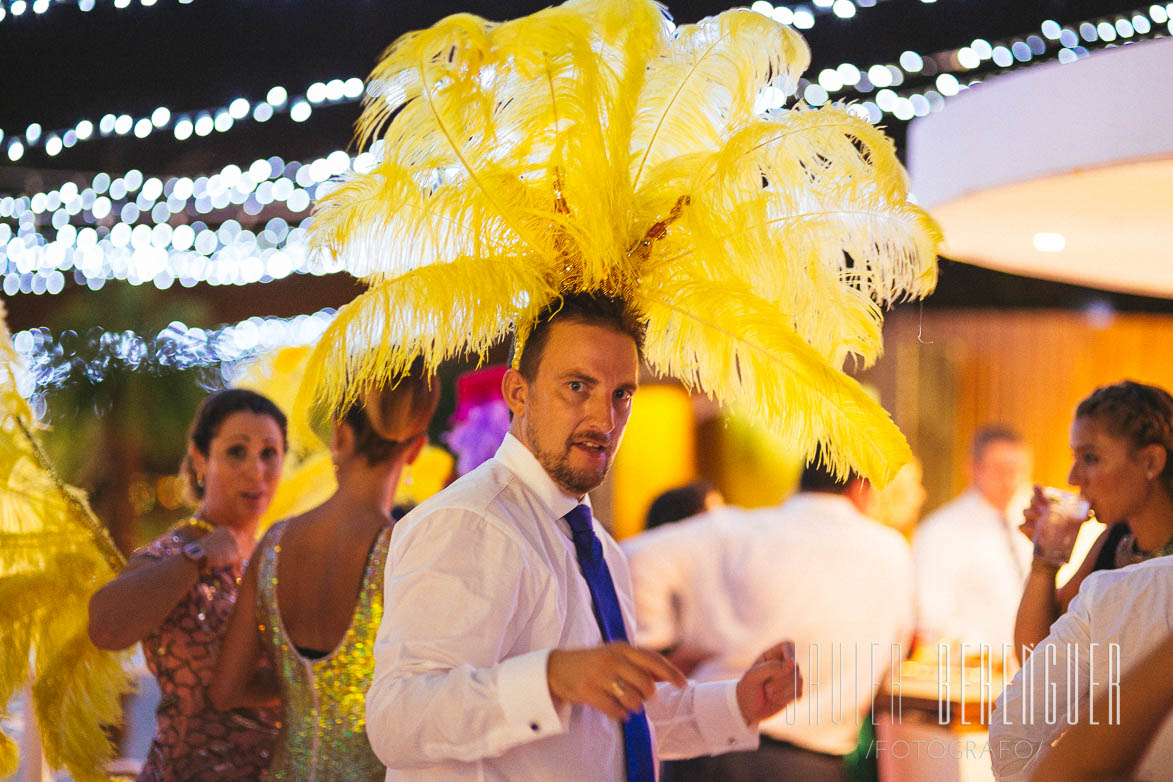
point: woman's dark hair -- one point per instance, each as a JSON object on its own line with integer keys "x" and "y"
{"x": 676, "y": 504}
{"x": 1140, "y": 413}
{"x": 210, "y": 414}
{"x": 389, "y": 418}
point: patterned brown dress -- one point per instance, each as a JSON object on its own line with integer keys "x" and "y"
{"x": 193, "y": 740}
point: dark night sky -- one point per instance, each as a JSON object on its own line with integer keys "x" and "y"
{"x": 65, "y": 65}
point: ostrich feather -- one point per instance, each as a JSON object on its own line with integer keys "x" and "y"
{"x": 703, "y": 86}
{"x": 718, "y": 338}
{"x": 436, "y": 312}
{"x": 55, "y": 555}
{"x": 592, "y": 147}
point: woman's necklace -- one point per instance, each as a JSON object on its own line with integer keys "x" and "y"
{"x": 1128, "y": 553}
{"x": 191, "y": 521}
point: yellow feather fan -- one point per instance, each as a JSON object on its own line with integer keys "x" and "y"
{"x": 596, "y": 147}
{"x": 54, "y": 554}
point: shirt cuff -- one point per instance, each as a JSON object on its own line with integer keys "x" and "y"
{"x": 719, "y": 719}
{"x": 524, "y": 691}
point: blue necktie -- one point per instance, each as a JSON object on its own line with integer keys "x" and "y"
{"x": 637, "y": 739}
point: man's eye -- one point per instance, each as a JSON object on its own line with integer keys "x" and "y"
{"x": 575, "y": 385}
{"x": 623, "y": 394}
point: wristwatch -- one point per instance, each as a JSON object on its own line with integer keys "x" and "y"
{"x": 195, "y": 552}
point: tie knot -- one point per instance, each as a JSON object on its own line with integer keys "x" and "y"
{"x": 579, "y": 519}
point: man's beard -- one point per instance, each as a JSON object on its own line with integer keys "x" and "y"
{"x": 557, "y": 465}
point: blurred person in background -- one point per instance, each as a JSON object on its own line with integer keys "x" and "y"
{"x": 682, "y": 502}
{"x": 898, "y": 505}
{"x": 311, "y": 600}
{"x": 712, "y": 588}
{"x": 176, "y": 594}
{"x": 1120, "y": 440}
{"x": 480, "y": 420}
{"x": 971, "y": 560}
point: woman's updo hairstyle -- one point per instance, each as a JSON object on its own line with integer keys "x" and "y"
{"x": 210, "y": 414}
{"x": 1142, "y": 414}
{"x": 390, "y": 417}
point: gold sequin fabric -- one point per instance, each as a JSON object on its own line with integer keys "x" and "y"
{"x": 194, "y": 741}
{"x": 323, "y": 732}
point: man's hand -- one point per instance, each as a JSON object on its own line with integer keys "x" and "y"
{"x": 615, "y": 679}
{"x": 772, "y": 682}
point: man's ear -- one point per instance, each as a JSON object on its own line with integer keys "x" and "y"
{"x": 515, "y": 391}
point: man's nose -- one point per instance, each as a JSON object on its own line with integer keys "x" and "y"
{"x": 600, "y": 413}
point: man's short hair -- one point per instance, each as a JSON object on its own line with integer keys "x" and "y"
{"x": 816, "y": 476}
{"x": 595, "y": 309}
{"x": 990, "y": 434}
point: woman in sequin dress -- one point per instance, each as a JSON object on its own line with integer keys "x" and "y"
{"x": 177, "y": 594}
{"x": 311, "y": 601}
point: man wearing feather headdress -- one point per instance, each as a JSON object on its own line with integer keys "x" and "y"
{"x": 496, "y": 657}
{"x": 526, "y": 173}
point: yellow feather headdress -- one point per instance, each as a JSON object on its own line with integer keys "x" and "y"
{"x": 594, "y": 146}
{"x": 54, "y": 554}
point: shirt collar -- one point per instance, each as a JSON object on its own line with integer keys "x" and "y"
{"x": 522, "y": 463}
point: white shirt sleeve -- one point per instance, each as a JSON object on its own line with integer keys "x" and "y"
{"x": 441, "y": 691}
{"x": 1032, "y": 711}
{"x": 701, "y": 719}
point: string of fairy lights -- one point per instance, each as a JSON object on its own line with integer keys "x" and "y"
{"x": 127, "y": 221}
{"x": 950, "y": 71}
{"x": 805, "y": 15}
{"x": 48, "y": 358}
{"x": 247, "y": 224}
{"x": 18, "y": 8}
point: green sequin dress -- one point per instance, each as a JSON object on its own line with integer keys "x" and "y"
{"x": 323, "y": 730}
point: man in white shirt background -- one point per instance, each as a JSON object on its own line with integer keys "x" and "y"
{"x": 714, "y": 587}
{"x": 971, "y": 559}
{"x": 1118, "y": 617}
{"x": 490, "y": 661}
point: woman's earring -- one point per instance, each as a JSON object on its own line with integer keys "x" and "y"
{"x": 200, "y": 481}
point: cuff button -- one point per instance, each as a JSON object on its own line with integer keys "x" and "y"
{"x": 535, "y": 727}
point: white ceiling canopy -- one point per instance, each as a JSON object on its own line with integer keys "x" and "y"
{"x": 1061, "y": 171}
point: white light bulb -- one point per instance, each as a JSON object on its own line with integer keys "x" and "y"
{"x": 844, "y": 9}
{"x": 183, "y": 129}
{"x": 300, "y": 111}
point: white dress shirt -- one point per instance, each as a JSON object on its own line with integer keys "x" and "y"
{"x": 728, "y": 584}
{"x": 1131, "y": 607}
{"x": 482, "y": 583}
{"x": 971, "y": 567}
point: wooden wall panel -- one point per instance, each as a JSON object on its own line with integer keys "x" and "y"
{"x": 951, "y": 371}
